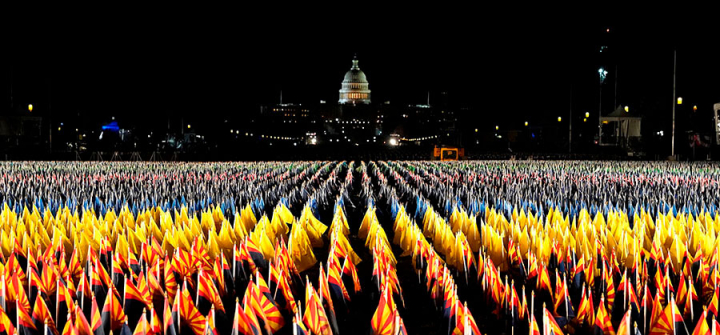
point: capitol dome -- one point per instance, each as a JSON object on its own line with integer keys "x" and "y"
{"x": 355, "y": 87}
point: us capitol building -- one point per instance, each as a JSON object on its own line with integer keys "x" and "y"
{"x": 355, "y": 87}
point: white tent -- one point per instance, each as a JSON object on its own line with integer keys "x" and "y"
{"x": 620, "y": 127}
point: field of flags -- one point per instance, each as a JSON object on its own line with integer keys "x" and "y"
{"x": 350, "y": 247}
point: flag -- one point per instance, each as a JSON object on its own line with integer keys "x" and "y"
{"x": 133, "y": 304}
{"x": 41, "y": 315}
{"x": 70, "y": 329}
{"x": 383, "y": 321}
{"x": 298, "y": 328}
{"x": 208, "y": 296}
{"x": 64, "y": 304}
{"x": 242, "y": 325}
{"x": 112, "y": 315}
{"x": 84, "y": 294}
{"x": 668, "y": 321}
{"x": 624, "y": 327}
{"x": 585, "y": 309}
{"x": 335, "y": 283}
{"x": 168, "y": 319}
{"x": 25, "y": 325}
{"x": 464, "y": 316}
{"x": 6, "y": 326}
{"x": 550, "y": 323}
{"x": 255, "y": 254}
{"x": 81, "y": 323}
{"x": 534, "y": 330}
{"x": 142, "y": 327}
{"x": 543, "y": 281}
{"x": 324, "y": 293}
{"x": 188, "y": 313}
{"x": 274, "y": 320}
{"x": 701, "y": 328}
{"x": 96, "y": 323}
{"x": 602, "y": 321}
{"x": 563, "y": 304}
{"x": 350, "y": 269}
{"x": 315, "y": 317}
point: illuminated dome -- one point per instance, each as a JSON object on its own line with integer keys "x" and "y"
{"x": 355, "y": 87}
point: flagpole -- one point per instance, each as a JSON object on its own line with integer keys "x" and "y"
{"x": 645, "y": 325}
{"x": 82, "y": 294}
{"x": 4, "y": 304}
{"x": 233, "y": 259}
{"x": 689, "y": 301}
{"x": 672, "y": 301}
{"x": 545, "y": 323}
{"x": 29, "y": 292}
{"x": 532, "y": 303}
{"x": 567, "y": 315}
{"x": 57, "y": 300}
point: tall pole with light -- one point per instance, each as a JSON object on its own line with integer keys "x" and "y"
{"x": 679, "y": 101}
{"x": 603, "y": 74}
{"x": 570, "y": 123}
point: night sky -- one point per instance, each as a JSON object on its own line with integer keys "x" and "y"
{"x": 220, "y": 63}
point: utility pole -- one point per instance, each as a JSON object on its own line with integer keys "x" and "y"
{"x": 672, "y": 151}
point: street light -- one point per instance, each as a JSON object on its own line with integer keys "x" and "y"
{"x": 30, "y": 108}
{"x": 679, "y": 100}
{"x": 559, "y": 118}
{"x": 627, "y": 109}
{"x": 526, "y": 123}
{"x": 603, "y": 74}
{"x": 188, "y": 126}
{"x": 587, "y": 114}
{"x": 497, "y": 127}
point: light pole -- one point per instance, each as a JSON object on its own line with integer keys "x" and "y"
{"x": 603, "y": 74}
{"x": 570, "y": 123}
{"x": 679, "y": 101}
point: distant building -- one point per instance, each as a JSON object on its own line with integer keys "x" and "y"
{"x": 355, "y": 87}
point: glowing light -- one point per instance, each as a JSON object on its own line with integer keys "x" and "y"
{"x": 627, "y": 109}
{"x": 603, "y": 74}
{"x": 695, "y": 108}
{"x": 59, "y": 128}
{"x": 476, "y": 130}
{"x": 188, "y": 126}
{"x": 587, "y": 114}
{"x": 497, "y": 127}
{"x": 526, "y": 123}
{"x": 679, "y": 100}
{"x": 30, "y": 107}
{"x": 584, "y": 120}
{"x": 393, "y": 141}
{"x": 559, "y": 118}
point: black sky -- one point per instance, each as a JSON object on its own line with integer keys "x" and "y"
{"x": 219, "y": 62}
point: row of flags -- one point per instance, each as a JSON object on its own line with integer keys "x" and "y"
{"x": 426, "y": 259}
{"x": 672, "y": 255}
{"x": 173, "y": 272}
